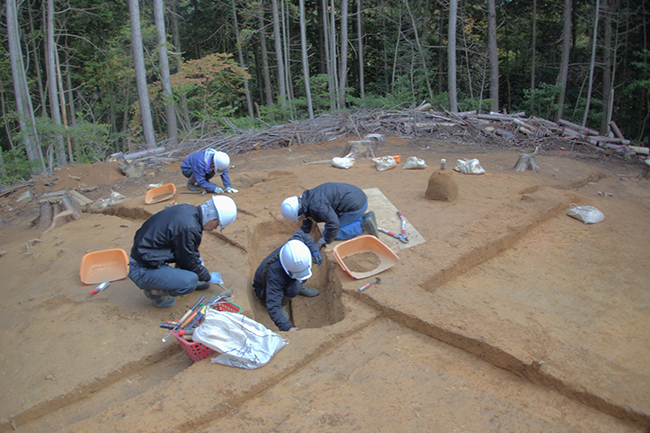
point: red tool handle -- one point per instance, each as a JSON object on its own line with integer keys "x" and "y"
{"x": 92, "y": 292}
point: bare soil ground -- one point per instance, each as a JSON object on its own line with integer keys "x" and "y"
{"x": 511, "y": 317}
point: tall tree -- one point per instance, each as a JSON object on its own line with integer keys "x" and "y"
{"x": 533, "y": 55}
{"x": 52, "y": 84}
{"x": 21, "y": 92}
{"x": 493, "y": 55}
{"x": 592, "y": 63}
{"x": 564, "y": 65}
{"x": 362, "y": 84}
{"x": 268, "y": 90}
{"x": 608, "y": 88}
{"x": 168, "y": 95}
{"x": 451, "y": 56}
{"x": 282, "y": 92}
{"x": 140, "y": 74}
{"x": 344, "y": 53}
{"x": 423, "y": 59}
{"x": 249, "y": 98}
{"x": 305, "y": 58}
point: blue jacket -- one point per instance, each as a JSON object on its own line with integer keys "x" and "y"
{"x": 172, "y": 235}
{"x": 196, "y": 163}
{"x": 278, "y": 283}
{"x": 326, "y": 203}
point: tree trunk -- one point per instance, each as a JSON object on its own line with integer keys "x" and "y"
{"x": 249, "y": 98}
{"x": 23, "y": 101}
{"x": 451, "y": 56}
{"x": 607, "y": 68}
{"x": 140, "y": 74}
{"x": 64, "y": 116}
{"x": 305, "y": 58}
{"x": 184, "y": 115}
{"x": 493, "y": 55}
{"x": 362, "y": 90}
{"x": 37, "y": 61}
{"x": 592, "y": 63}
{"x": 564, "y": 66}
{"x": 165, "y": 80}
{"x": 344, "y": 53}
{"x": 425, "y": 70}
{"x": 53, "y": 85}
{"x": 278, "y": 54}
{"x": 268, "y": 90}
{"x": 533, "y": 57}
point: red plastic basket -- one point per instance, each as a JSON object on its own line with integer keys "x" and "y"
{"x": 198, "y": 351}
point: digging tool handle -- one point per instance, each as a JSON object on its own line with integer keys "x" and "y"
{"x": 177, "y": 327}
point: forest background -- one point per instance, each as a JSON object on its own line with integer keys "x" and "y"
{"x": 81, "y": 80}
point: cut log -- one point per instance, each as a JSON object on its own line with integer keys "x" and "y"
{"x": 615, "y": 129}
{"x": 601, "y": 139}
{"x": 640, "y": 150}
{"x": 576, "y": 127}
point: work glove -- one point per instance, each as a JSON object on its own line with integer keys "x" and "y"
{"x": 215, "y": 278}
{"x": 202, "y": 262}
{"x": 321, "y": 243}
{"x": 230, "y": 190}
{"x": 218, "y": 190}
{"x": 318, "y": 257}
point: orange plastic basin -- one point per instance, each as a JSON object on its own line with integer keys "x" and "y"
{"x": 161, "y": 193}
{"x": 106, "y": 265}
{"x": 362, "y": 244}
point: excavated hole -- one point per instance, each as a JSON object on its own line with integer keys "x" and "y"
{"x": 322, "y": 310}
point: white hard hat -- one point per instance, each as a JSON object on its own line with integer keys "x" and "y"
{"x": 296, "y": 259}
{"x": 226, "y": 209}
{"x": 221, "y": 160}
{"x": 290, "y": 207}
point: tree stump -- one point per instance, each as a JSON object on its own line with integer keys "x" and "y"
{"x": 59, "y": 207}
{"x": 526, "y": 161}
{"x": 363, "y": 149}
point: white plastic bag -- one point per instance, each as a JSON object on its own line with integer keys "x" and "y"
{"x": 385, "y": 163}
{"x": 342, "y": 162}
{"x": 414, "y": 162}
{"x": 586, "y": 214}
{"x": 469, "y": 166}
{"x": 241, "y": 342}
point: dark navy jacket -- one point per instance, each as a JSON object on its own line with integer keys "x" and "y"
{"x": 173, "y": 235}
{"x": 326, "y": 202}
{"x": 278, "y": 283}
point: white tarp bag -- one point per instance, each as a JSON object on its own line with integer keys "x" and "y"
{"x": 385, "y": 163}
{"x": 586, "y": 214}
{"x": 469, "y": 166}
{"x": 414, "y": 162}
{"x": 241, "y": 342}
{"x": 345, "y": 163}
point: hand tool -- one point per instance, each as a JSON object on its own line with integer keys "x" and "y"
{"x": 401, "y": 236}
{"x": 178, "y": 324}
{"x": 99, "y": 288}
{"x": 196, "y": 318}
{"x": 401, "y": 217}
{"x": 377, "y": 281}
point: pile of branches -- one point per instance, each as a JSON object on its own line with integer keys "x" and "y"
{"x": 494, "y": 129}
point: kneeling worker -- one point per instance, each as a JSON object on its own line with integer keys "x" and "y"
{"x": 281, "y": 276}
{"x": 341, "y": 206}
{"x": 200, "y": 167}
{"x": 173, "y": 235}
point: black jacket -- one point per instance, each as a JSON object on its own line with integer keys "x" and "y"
{"x": 173, "y": 235}
{"x": 278, "y": 282}
{"x": 326, "y": 203}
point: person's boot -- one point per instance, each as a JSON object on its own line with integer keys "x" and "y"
{"x": 191, "y": 184}
{"x": 306, "y": 291}
{"x": 161, "y": 299}
{"x": 369, "y": 224}
{"x": 202, "y": 285}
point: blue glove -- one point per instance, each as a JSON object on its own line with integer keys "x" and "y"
{"x": 318, "y": 257}
{"x": 218, "y": 190}
{"x": 230, "y": 190}
{"x": 321, "y": 243}
{"x": 215, "y": 278}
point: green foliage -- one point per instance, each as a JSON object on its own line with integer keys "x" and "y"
{"x": 541, "y": 101}
{"x": 16, "y": 165}
{"x": 91, "y": 141}
{"x": 213, "y": 86}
